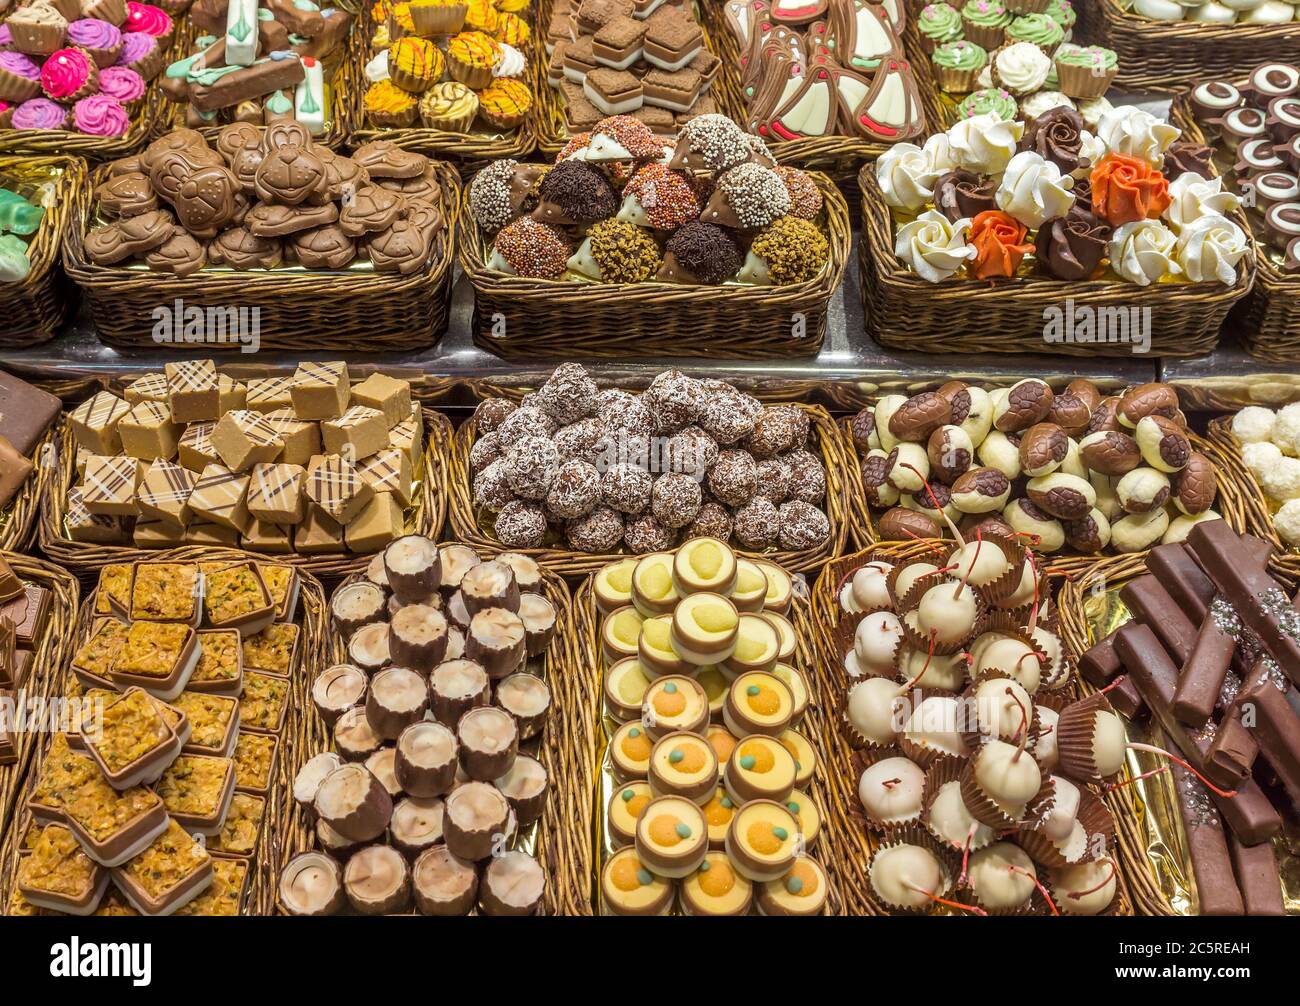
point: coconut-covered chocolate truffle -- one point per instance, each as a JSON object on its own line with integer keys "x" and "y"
{"x": 491, "y": 413}
{"x": 624, "y": 411}
{"x": 788, "y": 250}
{"x": 498, "y": 190}
{"x": 773, "y": 480}
{"x": 581, "y": 441}
{"x": 575, "y": 491}
{"x": 525, "y": 421}
{"x": 748, "y": 197}
{"x": 660, "y": 198}
{"x": 492, "y": 486}
{"x": 807, "y": 476}
{"x": 599, "y": 531}
{"x": 675, "y": 499}
{"x": 757, "y": 524}
{"x": 712, "y": 142}
{"x": 805, "y": 197}
{"x": 617, "y": 252}
{"x": 675, "y": 400}
{"x": 647, "y": 534}
{"x": 691, "y": 450}
{"x": 733, "y": 479}
{"x": 486, "y": 449}
{"x": 531, "y": 465}
{"x": 803, "y": 526}
{"x": 707, "y": 252}
{"x": 525, "y": 247}
{"x": 575, "y": 192}
{"x": 712, "y": 521}
{"x": 568, "y": 394}
{"x": 727, "y": 417}
{"x": 521, "y": 525}
{"x": 777, "y": 429}
{"x": 626, "y": 488}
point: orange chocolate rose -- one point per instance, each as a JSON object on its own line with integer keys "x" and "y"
{"x": 999, "y": 244}
{"x": 1125, "y": 189}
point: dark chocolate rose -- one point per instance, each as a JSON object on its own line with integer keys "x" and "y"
{"x": 1083, "y": 192}
{"x": 1055, "y": 136}
{"x": 1185, "y": 157}
{"x": 961, "y": 193}
{"x": 1071, "y": 247}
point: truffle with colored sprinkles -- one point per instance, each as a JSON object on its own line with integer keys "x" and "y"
{"x": 521, "y": 525}
{"x": 599, "y": 531}
{"x": 534, "y": 250}
{"x": 805, "y": 197}
{"x": 575, "y": 490}
{"x": 716, "y": 141}
{"x": 669, "y": 198}
{"x": 577, "y": 142}
{"x": 675, "y": 500}
{"x": 795, "y": 250}
{"x": 624, "y": 252}
{"x": 631, "y": 134}
{"x": 489, "y": 194}
{"x": 647, "y": 534}
{"x": 757, "y": 524}
{"x": 803, "y": 526}
{"x": 756, "y": 194}
{"x": 706, "y": 251}
{"x": 579, "y": 192}
{"x": 568, "y": 394}
{"x": 713, "y": 521}
{"x": 626, "y": 488}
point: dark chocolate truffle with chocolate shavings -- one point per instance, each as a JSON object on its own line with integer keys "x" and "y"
{"x": 712, "y": 521}
{"x": 700, "y": 253}
{"x": 574, "y": 192}
{"x": 575, "y": 490}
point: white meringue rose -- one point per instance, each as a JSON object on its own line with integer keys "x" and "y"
{"x": 940, "y": 153}
{"x": 1044, "y": 101}
{"x": 1022, "y": 67}
{"x": 512, "y": 63}
{"x": 1034, "y": 190}
{"x": 1142, "y": 252}
{"x": 1127, "y": 129}
{"x": 906, "y": 174}
{"x": 1210, "y": 247}
{"x": 1192, "y": 197}
{"x": 933, "y": 246}
{"x": 984, "y": 143}
{"x": 1092, "y": 150}
{"x": 377, "y": 68}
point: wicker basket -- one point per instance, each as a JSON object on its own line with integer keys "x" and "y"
{"x": 85, "y": 559}
{"x": 530, "y": 319}
{"x": 844, "y": 817}
{"x": 1167, "y": 55}
{"x": 904, "y": 311}
{"x": 558, "y": 831}
{"x": 474, "y": 528}
{"x": 589, "y": 753}
{"x": 46, "y": 666}
{"x": 19, "y": 520}
{"x": 1239, "y": 500}
{"x": 1267, "y": 322}
{"x": 470, "y": 151}
{"x": 343, "y": 95}
{"x": 298, "y": 309}
{"x": 260, "y": 896}
{"x": 838, "y": 156}
{"x": 1155, "y": 797}
{"x": 144, "y": 126}
{"x": 36, "y": 307}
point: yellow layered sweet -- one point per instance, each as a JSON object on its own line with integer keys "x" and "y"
{"x": 57, "y": 865}
{"x": 253, "y": 755}
{"x": 172, "y": 858}
{"x": 132, "y": 728}
{"x": 209, "y": 717}
{"x": 272, "y": 648}
{"x": 194, "y": 785}
{"x": 165, "y": 590}
{"x": 232, "y": 593}
{"x": 218, "y": 657}
{"x": 263, "y": 698}
{"x": 152, "y": 649}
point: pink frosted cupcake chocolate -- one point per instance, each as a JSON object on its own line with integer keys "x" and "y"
{"x": 122, "y": 83}
{"x": 6, "y": 39}
{"x": 149, "y": 19}
{"x": 40, "y": 113}
{"x": 69, "y": 75}
{"x": 142, "y": 53}
{"x": 100, "y": 115}
{"x": 99, "y": 38}
{"x": 112, "y": 11}
{"x": 20, "y": 77}
{"x": 6, "y": 115}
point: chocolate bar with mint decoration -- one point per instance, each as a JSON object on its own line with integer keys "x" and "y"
{"x": 1263, "y": 607}
{"x": 1249, "y": 814}
{"x": 222, "y": 87}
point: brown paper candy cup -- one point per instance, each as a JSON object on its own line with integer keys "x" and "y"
{"x": 982, "y": 806}
{"x": 971, "y": 734}
{"x": 1097, "y": 823}
{"x": 942, "y": 772}
{"x": 862, "y": 760}
{"x": 917, "y": 836}
{"x": 1074, "y": 738}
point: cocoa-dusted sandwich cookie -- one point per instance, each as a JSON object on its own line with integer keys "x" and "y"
{"x": 235, "y": 137}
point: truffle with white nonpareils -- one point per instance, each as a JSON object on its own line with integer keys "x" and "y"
{"x": 499, "y": 190}
{"x": 660, "y": 198}
{"x": 529, "y": 248}
{"x": 574, "y": 193}
{"x": 711, "y": 142}
{"x": 599, "y": 531}
{"x": 700, "y": 253}
{"x": 747, "y": 197}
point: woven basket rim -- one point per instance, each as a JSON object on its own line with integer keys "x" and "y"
{"x": 463, "y": 524}
{"x": 86, "y": 558}
{"x": 554, "y": 841}
{"x": 851, "y": 834}
{"x": 17, "y": 535}
{"x": 1155, "y": 32}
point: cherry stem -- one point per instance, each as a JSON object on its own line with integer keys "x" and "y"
{"x": 979, "y": 544}
{"x": 1113, "y": 684}
{"x": 1037, "y": 883}
{"x": 965, "y": 852}
{"x": 935, "y": 501}
{"x": 1226, "y": 794}
{"x": 926, "y": 541}
{"x": 1111, "y": 787}
{"x": 1093, "y": 890}
{"x": 944, "y": 901}
{"x": 1033, "y": 612}
{"x": 1022, "y": 731}
{"x": 891, "y": 783}
{"x": 929, "y": 655}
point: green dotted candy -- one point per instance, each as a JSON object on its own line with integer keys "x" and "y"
{"x": 780, "y": 833}
{"x": 628, "y": 795}
{"x": 752, "y": 690}
{"x": 683, "y": 830}
{"x": 793, "y": 884}
{"x": 670, "y": 688}
{"x": 644, "y": 877}
{"x": 676, "y": 755}
{"x": 793, "y": 807}
{"x": 748, "y": 761}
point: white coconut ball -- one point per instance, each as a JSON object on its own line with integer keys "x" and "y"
{"x": 1287, "y": 522}
{"x": 1253, "y": 424}
{"x": 1286, "y": 430}
{"x": 1260, "y": 456}
{"x": 1281, "y": 481}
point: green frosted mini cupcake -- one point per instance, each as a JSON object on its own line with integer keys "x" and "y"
{"x": 938, "y": 23}
{"x": 957, "y": 65}
{"x": 1062, "y": 12}
{"x": 989, "y": 101}
{"x": 1039, "y": 29}
{"x": 984, "y": 22}
{"x": 1085, "y": 71}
